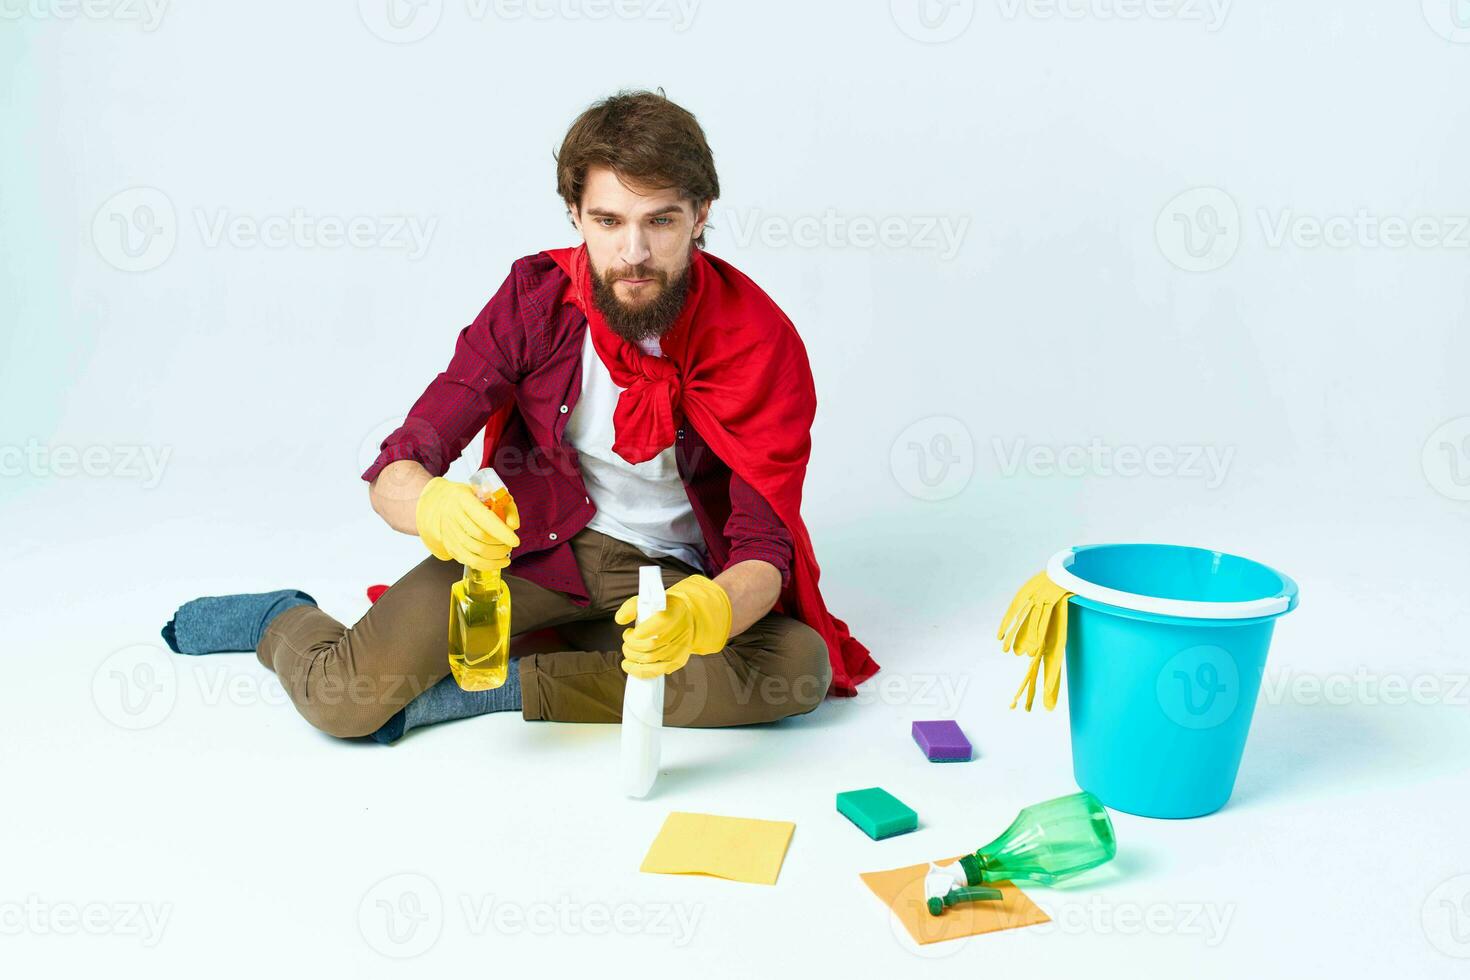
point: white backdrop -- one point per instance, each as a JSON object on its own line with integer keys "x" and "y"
{"x": 1083, "y": 271}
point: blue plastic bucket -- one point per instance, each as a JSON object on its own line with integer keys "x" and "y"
{"x": 1166, "y": 646}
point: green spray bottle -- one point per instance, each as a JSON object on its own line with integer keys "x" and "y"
{"x": 1046, "y": 843}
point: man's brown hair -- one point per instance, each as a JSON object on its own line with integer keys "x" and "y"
{"x": 646, "y": 140}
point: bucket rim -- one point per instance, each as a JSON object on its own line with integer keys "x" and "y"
{"x": 1058, "y": 569}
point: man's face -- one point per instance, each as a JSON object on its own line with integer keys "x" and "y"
{"x": 639, "y": 241}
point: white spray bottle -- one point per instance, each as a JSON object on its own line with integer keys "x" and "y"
{"x": 643, "y": 701}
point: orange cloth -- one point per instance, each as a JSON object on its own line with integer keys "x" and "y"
{"x": 902, "y": 890}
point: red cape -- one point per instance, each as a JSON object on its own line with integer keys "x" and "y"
{"x": 735, "y": 367}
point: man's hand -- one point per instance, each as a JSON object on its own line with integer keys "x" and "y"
{"x": 457, "y": 526}
{"x": 696, "y": 620}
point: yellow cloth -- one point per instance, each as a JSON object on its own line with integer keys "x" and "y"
{"x": 735, "y": 848}
{"x": 1035, "y": 626}
{"x": 696, "y": 620}
{"x": 457, "y": 526}
{"x": 902, "y": 890}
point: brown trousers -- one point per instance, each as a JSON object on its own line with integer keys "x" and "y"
{"x": 348, "y": 682}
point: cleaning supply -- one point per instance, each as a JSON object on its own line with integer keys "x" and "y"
{"x": 902, "y": 892}
{"x": 877, "y": 812}
{"x": 695, "y": 619}
{"x": 1165, "y": 647}
{"x": 643, "y": 698}
{"x": 733, "y": 848}
{"x": 455, "y": 525}
{"x": 228, "y": 623}
{"x": 963, "y": 893}
{"x": 942, "y": 741}
{"x": 1035, "y": 626}
{"x": 479, "y": 603}
{"x": 1046, "y": 843}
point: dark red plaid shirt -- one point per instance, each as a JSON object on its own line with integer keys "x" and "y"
{"x": 526, "y": 346}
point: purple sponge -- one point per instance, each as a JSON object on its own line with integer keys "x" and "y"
{"x": 942, "y": 741}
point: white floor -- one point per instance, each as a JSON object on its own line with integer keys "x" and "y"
{"x": 186, "y": 821}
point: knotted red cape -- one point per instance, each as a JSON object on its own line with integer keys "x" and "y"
{"x": 735, "y": 367}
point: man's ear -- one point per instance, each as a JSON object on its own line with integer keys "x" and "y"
{"x": 574, "y": 213}
{"x": 701, "y": 216}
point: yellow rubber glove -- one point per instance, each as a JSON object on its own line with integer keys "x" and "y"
{"x": 696, "y": 620}
{"x": 1035, "y": 626}
{"x": 457, "y": 526}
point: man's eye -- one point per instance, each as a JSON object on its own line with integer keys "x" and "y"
{"x": 663, "y": 220}
{"x": 607, "y": 222}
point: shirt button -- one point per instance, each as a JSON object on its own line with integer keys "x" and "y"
{"x": 587, "y": 500}
{"x": 564, "y": 410}
{"x": 552, "y": 535}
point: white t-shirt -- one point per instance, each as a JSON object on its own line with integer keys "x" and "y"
{"x": 643, "y": 504}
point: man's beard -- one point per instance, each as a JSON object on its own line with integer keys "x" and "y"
{"x": 652, "y": 318}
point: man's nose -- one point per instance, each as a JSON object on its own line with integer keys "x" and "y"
{"x": 634, "y": 250}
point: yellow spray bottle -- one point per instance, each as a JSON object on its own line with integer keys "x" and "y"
{"x": 479, "y": 608}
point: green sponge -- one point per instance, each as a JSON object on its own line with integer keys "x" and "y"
{"x": 876, "y": 812}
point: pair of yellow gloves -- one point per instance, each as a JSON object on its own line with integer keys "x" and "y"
{"x": 457, "y": 526}
{"x": 1035, "y": 626}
